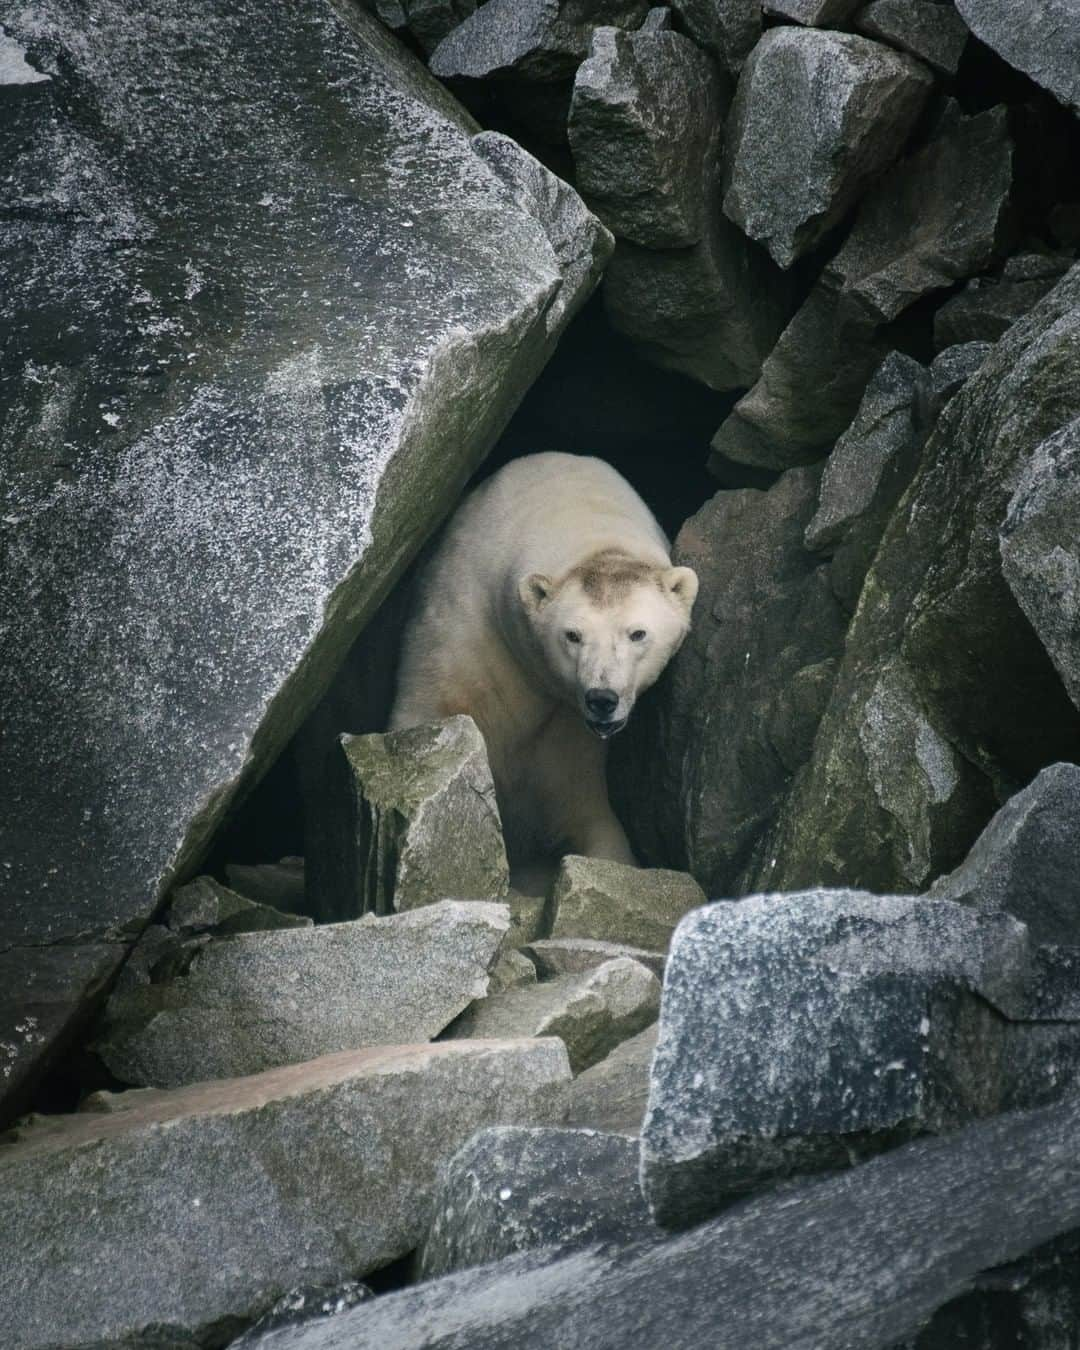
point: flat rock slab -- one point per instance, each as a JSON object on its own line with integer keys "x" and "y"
{"x": 928, "y": 29}
{"x": 803, "y": 1032}
{"x": 614, "y": 1093}
{"x": 817, "y": 116}
{"x": 611, "y": 902}
{"x": 410, "y": 818}
{"x": 574, "y": 956}
{"x": 863, "y": 1259}
{"x": 1045, "y": 46}
{"x": 251, "y": 359}
{"x": 511, "y": 1189}
{"x": 591, "y": 1013}
{"x": 307, "y": 1175}
{"x": 256, "y": 1001}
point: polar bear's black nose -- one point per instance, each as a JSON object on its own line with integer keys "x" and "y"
{"x": 601, "y": 702}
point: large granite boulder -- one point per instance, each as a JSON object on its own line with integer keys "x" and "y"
{"x": 936, "y": 218}
{"x": 203, "y": 1206}
{"x": 1045, "y": 46}
{"x": 611, "y": 902}
{"x": 801, "y": 1033}
{"x": 702, "y": 772}
{"x": 945, "y": 701}
{"x": 409, "y": 818}
{"x": 929, "y": 29}
{"x": 817, "y": 116}
{"x": 252, "y": 1002}
{"x": 728, "y": 29}
{"x": 863, "y": 1259}
{"x": 511, "y": 1189}
{"x": 251, "y": 357}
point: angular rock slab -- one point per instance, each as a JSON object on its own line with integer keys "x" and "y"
{"x": 803, "y": 1032}
{"x": 1045, "y": 46}
{"x": 987, "y": 307}
{"x": 511, "y": 1189}
{"x": 573, "y": 956}
{"x": 307, "y": 1175}
{"x": 928, "y": 29}
{"x": 251, "y": 360}
{"x": 257, "y": 1001}
{"x": 590, "y": 1013}
{"x": 940, "y": 215}
{"x": 726, "y": 28}
{"x": 610, "y": 902}
{"x": 429, "y": 21}
{"x": 863, "y": 1259}
{"x": 410, "y": 818}
{"x": 643, "y": 121}
{"x": 816, "y": 13}
{"x": 613, "y": 1094}
{"x": 816, "y": 117}
{"x": 1040, "y": 550}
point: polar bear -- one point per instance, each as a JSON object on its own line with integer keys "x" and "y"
{"x": 548, "y": 607}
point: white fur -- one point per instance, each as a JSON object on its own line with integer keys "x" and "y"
{"x": 488, "y": 637}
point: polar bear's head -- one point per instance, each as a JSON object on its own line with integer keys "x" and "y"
{"x": 607, "y": 629}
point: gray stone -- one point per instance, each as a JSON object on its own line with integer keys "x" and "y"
{"x": 929, "y": 29}
{"x": 1046, "y": 46}
{"x": 726, "y": 28}
{"x": 611, "y": 902}
{"x": 863, "y": 1259}
{"x": 251, "y": 360}
{"x": 591, "y": 1013}
{"x": 528, "y": 918}
{"x": 512, "y": 970}
{"x": 410, "y": 818}
{"x": 574, "y": 956}
{"x": 643, "y": 123}
{"x": 817, "y": 13}
{"x": 817, "y": 116}
{"x": 805, "y": 1032}
{"x": 511, "y": 1189}
{"x": 951, "y": 369}
{"x": 429, "y": 21}
{"x": 302, "y": 1176}
{"x": 260, "y": 1000}
{"x": 613, "y": 1094}
{"x": 703, "y": 770}
{"x": 1040, "y": 549}
{"x": 936, "y": 218}
{"x": 205, "y": 905}
{"x": 867, "y": 473}
{"x": 303, "y": 1308}
{"x": 542, "y": 40}
{"x": 280, "y": 884}
{"x": 987, "y": 307}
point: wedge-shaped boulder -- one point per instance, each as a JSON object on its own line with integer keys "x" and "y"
{"x": 260, "y": 1000}
{"x": 592, "y": 1013}
{"x": 816, "y": 117}
{"x": 726, "y": 28}
{"x": 410, "y": 818}
{"x": 241, "y": 427}
{"x": 863, "y": 1259}
{"x": 929, "y": 29}
{"x": 610, "y": 902}
{"x": 803, "y": 1032}
{"x": 302, "y": 1176}
{"x": 1045, "y": 46}
{"x": 936, "y": 218}
{"x": 643, "y": 122}
{"x": 511, "y": 1189}
{"x": 614, "y": 1093}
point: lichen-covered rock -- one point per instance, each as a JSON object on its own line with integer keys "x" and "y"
{"x": 610, "y": 902}
{"x": 250, "y": 360}
{"x": 614, "y": 1093}
{"x": 726, "y": 28}
{"x": 816, "y": 13}
{"x": 803, "y": 1032}
{"x": 706, "y": 766}
{"x": 429, "y": 21}
{"x": 541, "y": 40}
{"x": 410, "y": 818}
{"x": 1040, "y": 549}
{"x": 643, "y": 122}
{"x": 945, "y": 699}
{"x": 937, "y": 217}
{"x": 591, "y": 1013}
{"x": 301, "y": 1176}
{"x": 929, "y": 29}
{"x": 1045, "y": 46}
{"x": 259, "y": 1000}
{"x": 867, "y": 472}
{"x": 511, "y": 1189}
{"x": 573, "y": 956}
{"x": 816, "y": 117}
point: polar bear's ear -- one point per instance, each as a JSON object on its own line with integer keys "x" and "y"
{"x": 682, "y": 584}
{"x": 535, "y": 590}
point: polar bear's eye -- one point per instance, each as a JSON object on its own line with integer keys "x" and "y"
{"x": 572, "y": 635}
{"x": 638, "y": 635}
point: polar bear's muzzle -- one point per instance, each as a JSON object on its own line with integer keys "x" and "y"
{"x": 605, "y": 729}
